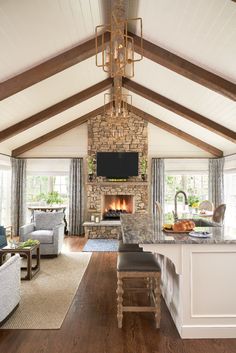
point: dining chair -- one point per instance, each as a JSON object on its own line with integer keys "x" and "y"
{"x": 219, "y": 214}
{"x": 206, "y": 205}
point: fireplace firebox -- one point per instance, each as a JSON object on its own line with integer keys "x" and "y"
{"x": 115, "y": 205}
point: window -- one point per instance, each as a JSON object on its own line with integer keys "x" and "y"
{"x": 193, "y": 184}
{"x": 44, "y": 190}
{"x": 230, "y": 196}
{"x": 5, "y": 196}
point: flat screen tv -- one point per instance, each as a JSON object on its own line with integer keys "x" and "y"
{"x": 117, "y": 164}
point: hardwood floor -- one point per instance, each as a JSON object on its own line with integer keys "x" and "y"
{"x": 91, "y": 326}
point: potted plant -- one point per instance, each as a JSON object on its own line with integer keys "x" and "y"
{"x": 193, "y": 201}
{"x": 91, "y": 166}
{"x": 144, "y": 168}
{"x": 53, "y": 197}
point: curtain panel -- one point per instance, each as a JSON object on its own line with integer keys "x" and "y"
{"x": 76, "y": 197}
{"x": 216, "y": 181}
{"x": 158, "y": 182}
{"x": 18, "y": 194}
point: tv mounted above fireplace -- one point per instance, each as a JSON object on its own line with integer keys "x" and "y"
{"x": 117, "y": 164}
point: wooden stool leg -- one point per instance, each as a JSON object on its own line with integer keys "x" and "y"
{"x": 157, "y": 295}
{"x": 119, "y": 292}
{"x": 149, "y": 286}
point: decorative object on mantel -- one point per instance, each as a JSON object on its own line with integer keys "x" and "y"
{"x": 144, "y": 169}
{"x": 97, "y": 218}
{"x": 91, "y": 167}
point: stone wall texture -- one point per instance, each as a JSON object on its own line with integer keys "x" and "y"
{"x": 106, "y": 134}
{"x": 128, "y": 134}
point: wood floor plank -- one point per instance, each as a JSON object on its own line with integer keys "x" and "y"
{"x": 91, "y": 326}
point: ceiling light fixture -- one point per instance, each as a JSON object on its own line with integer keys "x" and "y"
{"x": 118, "y": 56}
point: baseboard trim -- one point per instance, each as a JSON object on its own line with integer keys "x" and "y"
{"x": 216, "y": 331}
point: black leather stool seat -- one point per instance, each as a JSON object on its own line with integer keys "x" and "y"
{"x": 129, "y": 247}
{"x": 137, "y": 262}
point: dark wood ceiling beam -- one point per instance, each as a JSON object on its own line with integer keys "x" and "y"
{"x": 55, "y": 109}
{"x": 180, "y": 110}
{"x": 48, "y": 68}
{"x": 185, "y": 68}
{"x": 52, "y": 134}
{"x": 177, "y": 132}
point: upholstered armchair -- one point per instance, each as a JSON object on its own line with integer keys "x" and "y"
{"x": 48, "y": 228}
{"x": 9, "y": 286}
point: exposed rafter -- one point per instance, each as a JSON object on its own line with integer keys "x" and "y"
{"x": 48, "y": 68}
{"x": 87, "y": 49}
{"x": 185, "y": 68}
{"x": 55, "y": 109}
{"x": 61, "y": 130}
{"x": 180, "y": 110}
{"x": 155, "y": 121}
{"x": 179, "y": 133}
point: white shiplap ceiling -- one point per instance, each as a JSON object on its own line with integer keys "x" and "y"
{"x": 203, "y": 32}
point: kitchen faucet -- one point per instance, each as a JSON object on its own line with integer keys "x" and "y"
{"x": 185, "y": 200}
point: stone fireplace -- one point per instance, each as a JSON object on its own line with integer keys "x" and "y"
{"x": 115, "y": 205}
{"x": 107, "y": 198}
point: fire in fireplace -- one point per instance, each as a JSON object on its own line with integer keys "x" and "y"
{"x": 115, "y": 205}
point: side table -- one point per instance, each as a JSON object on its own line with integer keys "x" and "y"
{"x": 28, "y": 253}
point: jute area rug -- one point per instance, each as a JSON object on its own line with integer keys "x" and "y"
{"x": 46, "y": 299}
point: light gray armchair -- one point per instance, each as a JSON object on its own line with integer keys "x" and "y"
{"x": 9, "y": 287}
{"x": 48, "y": 228}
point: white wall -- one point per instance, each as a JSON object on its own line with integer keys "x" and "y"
{"x": 163, "y": 144}
{"x": 71, "y": 144}
{"x": 74, "y": 144}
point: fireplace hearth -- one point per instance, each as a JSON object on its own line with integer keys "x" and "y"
{"x": 115, "y": 205}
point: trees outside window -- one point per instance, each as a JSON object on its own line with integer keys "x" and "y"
{"x": 43, "y": 190}
{"x": 192, "y": 184}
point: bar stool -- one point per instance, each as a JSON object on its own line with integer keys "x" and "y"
{"x": 128, "y": 247}
{"x": 139, "y": 265}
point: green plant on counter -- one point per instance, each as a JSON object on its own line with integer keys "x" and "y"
{"x": 193, "y": 201}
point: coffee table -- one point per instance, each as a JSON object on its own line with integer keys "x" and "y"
{"x": 25, "y": 252}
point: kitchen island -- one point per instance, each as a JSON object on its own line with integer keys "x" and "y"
{"x": 198, "y": 275}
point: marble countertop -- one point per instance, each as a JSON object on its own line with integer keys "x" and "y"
{"x": 144, "y": 229}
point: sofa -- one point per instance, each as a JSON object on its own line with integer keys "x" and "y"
{"x": 9, "y": 287}
{"x": 48, "y": 228}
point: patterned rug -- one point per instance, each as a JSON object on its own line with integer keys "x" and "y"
{"x": 101, "y": 245}
{"x": 46, "y": 299}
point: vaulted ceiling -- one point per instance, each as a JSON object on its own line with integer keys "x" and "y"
{"x": 185, "y": 84}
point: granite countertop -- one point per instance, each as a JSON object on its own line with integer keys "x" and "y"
{"x": 144, "y": 229}
{"x": 102, "y": 224}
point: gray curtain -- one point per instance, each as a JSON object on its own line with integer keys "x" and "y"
{"x": 18, "y": 194}
{"x": 76, "y": 197}
{"x": 158, "y": 182}
{"x": 216, "y": 181}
